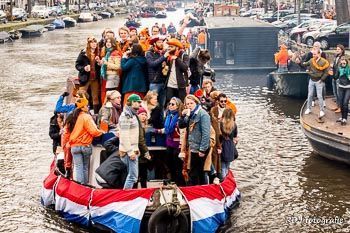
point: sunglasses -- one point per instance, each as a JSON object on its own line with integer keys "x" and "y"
{"x": 172, "y": 104}
{"x": 223, "y": 101}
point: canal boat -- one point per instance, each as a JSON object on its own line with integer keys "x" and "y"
{"x": 59, "y": 23}
{"x": 104, "y": 14}
{"x": 69, "y": 22}
{"x": 170, "y": 8}
{"x": 160, "y": 208}
{"x": 4, "y": 37}
{"x": 50, "y": 27}
{"x": 35, "y": 30}
{"x": 327, "y": 137}
{"x": 160, "y": 14}
{"x": 132, "y": 23}
{"x": 15, "y": 34}
{"x": 293, "y": 84}
{"x": 86, "y": 17}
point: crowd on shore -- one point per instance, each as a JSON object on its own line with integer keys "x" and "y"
{"x": 320, "y": 68}
{"x": 145, "y": 88}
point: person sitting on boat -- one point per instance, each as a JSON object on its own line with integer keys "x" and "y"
{"x": 129, "y": 139}
{"x": 171, "y": 28}
{"x": 198, "y": 59}
{"x": 144, "y": 153}
{"x": 83, "y": 129}
{"x": 343, "y": 75}
{"x": 281, "y": 59}
{"x": 333, "y": 72}
{"x": 88, "y": 64}
{"x": 177, "y": 63}
{"x": 155, "y": 57}
{"x": 197, "y": 123}
{"x": 318, "y": 72}
{"x": 110, "y": 68}
{"x": 108, "y": 116}
{"x": 155, "y": 119}
{"x": 172, "y": 132}
{"x": 134, "y": 66}
{"x": 228, "y": 140}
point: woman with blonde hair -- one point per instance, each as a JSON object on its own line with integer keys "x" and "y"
{"x": 154, "y": 111}
{"x": 88, "y": 64}
{"x": 108, "y": 116}
{"x": 228, "y": 139}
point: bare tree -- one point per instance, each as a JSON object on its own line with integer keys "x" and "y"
{"x": 342, "y": 10}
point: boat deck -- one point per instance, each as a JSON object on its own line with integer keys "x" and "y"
{"x": 328, "y": 122}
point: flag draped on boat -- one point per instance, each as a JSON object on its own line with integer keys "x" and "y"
{"x": 47, "y": 191}
{"x": 120, "y": 210}
{"x": 209, "y": 204}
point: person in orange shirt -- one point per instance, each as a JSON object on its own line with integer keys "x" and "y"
{"x": 83, "y": 129}
{"x": 202, "y": 39}
{"x": 281, "y": 59}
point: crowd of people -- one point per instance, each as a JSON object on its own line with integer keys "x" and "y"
{"x": 145, "y": 88}
{"x": 320, "y": 69}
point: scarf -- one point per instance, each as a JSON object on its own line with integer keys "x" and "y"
{"x": 104, "y": 66}
{"x": 194, "y": 111}
{"x": 344, "y": 71}
{"x": 170, "y": 122}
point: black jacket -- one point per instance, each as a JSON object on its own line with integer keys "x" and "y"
{"x": 80, "y": 63}
{"x": 157, "y": 119}
{"x": 154, "y": 62}
{"x": 54, "y": 132}
{"x": 181, "y": 68}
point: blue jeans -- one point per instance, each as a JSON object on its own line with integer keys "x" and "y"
{"x": 193, "y": 89}
{"x": 335, "y": 84}
{"x": 160, "y": 89}
{"x": 225, "y": 167}
{"x": 81, "y": 161}
{"x": 344, "y": 97}
{"x": 133, "y": 171}
{"x": 319, "y": 90}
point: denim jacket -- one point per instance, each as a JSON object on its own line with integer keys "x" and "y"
{"x": 198, "y": 128}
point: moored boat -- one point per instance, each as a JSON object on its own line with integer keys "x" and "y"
{"x": 15, "y": 34}
{"x": 85, "y": 17}
{"x": 69, "y": 22}
{"x": 171, "y": 8}
{"x": 327, "y": 137}
{"x": 294, "y": 84}
{"x": 161, "y": 14}
{"x": 132, "y": 23}
{"x": 32, "y": 30}
{"x": 105, "y": 14}
{"x": 4, "y": 37}
{"x": 50, "y": 27}
{"x": 59, "y": 23}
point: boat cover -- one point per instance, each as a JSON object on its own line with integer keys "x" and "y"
{"x": 122, "y": 210}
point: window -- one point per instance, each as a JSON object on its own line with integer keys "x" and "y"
{"x": 218, "y": 49}
{"x": 230, "y": 49}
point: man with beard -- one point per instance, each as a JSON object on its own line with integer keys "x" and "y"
{"x": 129, "y": 139}
{"x": 155, "y": 58}
{"x": 198, "y": 59}
{"x": 177, "y": 63}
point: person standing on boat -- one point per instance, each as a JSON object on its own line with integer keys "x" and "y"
{"x": 110, "y": 68}
{"x": 198, "y": 59}
{"x": 228, "y": 140}
{"x": 318, "y": 72}
{"x": 171, "y": 28}
{"x": 281, "y": 59}
{"x": 107, "y": 33}
{"x": 124, "y": 44}
{"x": 155, "y": 31}
{"x": 197, "y": 123}
{"x": 88, "y": 64}
{"x": 340, "y": 51}
{"x": 155, "y": 58}
{"x": 343, "y": 76}
{"x": 83, "y": 129}
{"x": 202, "y": 39}
{"x": 55, "y": 130}
{"x": 134, "y": 69}
{"x": 177, "y": 63}
{"x": 129, "y": 139}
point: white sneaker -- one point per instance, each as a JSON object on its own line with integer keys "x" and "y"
{"x": 313, "y": 103}
{"x": 307, "y": 111}
{"x": 322, "y": 114}
{"x": 324, "y": 103}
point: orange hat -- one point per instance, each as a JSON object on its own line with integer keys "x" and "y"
{"x": 81, "y": 102}
{"x": 175, "y": 42}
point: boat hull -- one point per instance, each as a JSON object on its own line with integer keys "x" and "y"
{"x": 27, "y": 34}
{"x": 327, "y": 138}
{"x": 69, "y": 23}
{"x": 293, "y": 84}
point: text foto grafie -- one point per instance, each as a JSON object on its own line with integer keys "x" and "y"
{"x": 301, "y": 219}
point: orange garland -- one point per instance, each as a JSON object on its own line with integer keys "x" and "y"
{"x": 314, "y": 63}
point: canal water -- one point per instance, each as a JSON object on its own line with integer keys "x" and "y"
{"x": 285, "y": 188}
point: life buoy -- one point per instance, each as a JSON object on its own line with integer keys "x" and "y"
{"x": 167, "y": 219}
